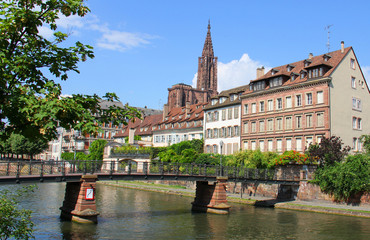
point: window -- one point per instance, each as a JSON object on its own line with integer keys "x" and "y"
{"x": 269, "y": 145}
{"x": 288, "y": 123}
{"x": 262, "y": 145}
{"x": 245, "y": 145}
{"x": 308, "y": 141}
{"x": 236, "y": 130}
{"x": 278, "y": 81}
{"x": 320, "y": 97}
{"x": 298, "y": 101}
{"x": 209, "y": 133}
{"x": 359, "y": 123}
{"x": 230, "y": 113}
{"x": 288, "y": 102}
{"x": 262, "y": 126}
{"x": 231, "y": 97}
{"x": 352, "y": 64}
{"x": 354, "y": 144}
{"x": 288, "y": 144}
{"x": 270, "y": 105}
{"x": 246, "y": 109}
{"x": 216, "y": 116}
{"x": 279, "y": 145}
{"x": 279, "y": 124}
{"x": 353, "y": 82}
{"x": 298, "y": 122}
{"x": 214, "y": 148}
{"x": 245, "y": 127}
{"x": 270, "y": 125}
{"x": 253, "y": 145}
{"x": 320, "y": 119}
{"x": 253, "y": 107}
{"x": 214, "y": 101}
{"x": 308, "y": 98}
{"x": 356, "y": 104}
{"x": 224, "y": 115}
{"x": 215, "y": 133}
{"x": 253, "y": 127}
{"x": 298, "y": 144}
{"x": 230, "y": 131}
{"x": 309, "y": 121}
{"x": 259, "y": 85}
{"x": 279, "y": 103}
{"x": 208, "y": 147}
{"x": 262, "y": 106}
{"x": 354, "y": 122}
{"x": 236, "y": 112}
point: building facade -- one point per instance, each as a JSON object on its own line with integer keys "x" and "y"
{"x": 180, "y": 94}
{"x": 222, "y": 122}
{"x": 294, "y": 105}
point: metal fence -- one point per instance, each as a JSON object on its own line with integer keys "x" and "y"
{"x": 19, "y": 168}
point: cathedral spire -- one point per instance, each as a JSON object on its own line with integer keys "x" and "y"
{"x": 207, "y": 67}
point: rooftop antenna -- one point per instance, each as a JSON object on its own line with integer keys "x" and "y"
{"x": 328, "y": 43}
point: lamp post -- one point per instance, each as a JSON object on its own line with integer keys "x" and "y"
{"x": 221, "y": 145}
{"x": 76, "y": 135}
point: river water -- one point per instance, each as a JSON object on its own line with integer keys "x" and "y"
{"x": 135, "y": 214}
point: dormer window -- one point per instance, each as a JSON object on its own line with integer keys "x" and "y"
{"x": 259, "y": 85}
{"x": 326, "y": 57}
{"x": 222, "y": 99}
{"x": 294, "y": 76}
{"x": 303, "y": 74}
{"x": 277, "y": 81}
{"x": 307, "y": 62}
{"x": 289, "y": 67}
{"x": 214, "y": 101}
{"x": 274, "y": 71}
{"x": 232, "y": 96}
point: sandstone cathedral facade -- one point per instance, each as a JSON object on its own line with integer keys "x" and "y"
{"x": 181, "y": 94}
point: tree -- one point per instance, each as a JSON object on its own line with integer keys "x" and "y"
{"x": 328, "y": 151}
{"x": 14, "y": 222}
{"x": 366, "y": 142}
{"x": 96, "y": 149}
{"x": 30, "y": 100}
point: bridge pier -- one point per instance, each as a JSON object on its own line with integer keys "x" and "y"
{"x": 211, "y": 197}
{"x": 79, "y": 201}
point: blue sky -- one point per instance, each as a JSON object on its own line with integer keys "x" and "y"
{"x": 144, "y": 47}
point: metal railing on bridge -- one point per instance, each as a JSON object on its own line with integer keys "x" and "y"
{"x": 17, "y": 169}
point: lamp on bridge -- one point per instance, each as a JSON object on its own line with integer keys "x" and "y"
{"x": 221, "y": 145}
{"x": 76, "y": 135}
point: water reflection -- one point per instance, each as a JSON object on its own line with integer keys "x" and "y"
{"x": 133, "y": 214}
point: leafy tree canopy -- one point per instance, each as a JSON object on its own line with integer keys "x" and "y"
{"x": 366, "y": 142}
{"x": 30, "y": 101}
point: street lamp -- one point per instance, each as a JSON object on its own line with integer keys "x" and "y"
{"x": 221, "y": 145}
{"x": 76, "y": 135}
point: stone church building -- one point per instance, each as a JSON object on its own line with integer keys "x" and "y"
{"x": 180, "y": 94}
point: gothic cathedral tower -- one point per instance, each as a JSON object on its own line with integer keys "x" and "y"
{"x": 181, "y": 94}
{"x": 207, "y": 67}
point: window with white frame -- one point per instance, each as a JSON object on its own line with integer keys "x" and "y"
{"x": 320, "y": 119}
{"x": 359, "y": 123}
{"x": 215, "y": 148}
{"x": 253, "y": 145}
{"x": 208, "y": 149}
{"x": 229, "y": 131}
{"x": 298, "y": 122}
{"x": 309, "y": 123}
{"x": 262, "y": 145}
{"x": 298, "y": 142}
{"x": 298, "y": 100}
{"x": 236, "y": 112}
{"x": 353, "y": 82}
{"x": 308, "y": 98}
{"x": 229, "y": 113}
{"x": 359, "y": 145}
{"x": 308, "y": 141}
{"x": 279, "y": 145}
{"x": 288, "y": 123}
{"x": 254, "y": 110}
{"x": 223, "y": 114}
{"x": 354, "y": 122}
{"x": 279, "y": 124}
{"x": 320, "y": 97}
{"x": 354, "y": 144}
{"x": 270, "y": 105}
{"x": 262, "y": 106}
{"x": 246, "y": 108}
{"x": 245, "y": 145}
{"x": 262, "y": 126}
{"x": 356, "y": 104}
{"x": 245, "y": 127}
{"x": 253, "y": 127}
{"x": 269, "y": 145}
{"x": 270, "y": 125}
{"x": 236, "y": 130}
{"x": 352, "y": 64}
{"x": 288, "y": 102}
{"x": 279, "y": 103}
{"x": 288, "y": 144}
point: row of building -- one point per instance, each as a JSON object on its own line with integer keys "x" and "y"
{"x": 286, "y": 108}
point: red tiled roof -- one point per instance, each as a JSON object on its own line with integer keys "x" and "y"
{"x": 332, "y": 62}
{"x": 143, "y": 127}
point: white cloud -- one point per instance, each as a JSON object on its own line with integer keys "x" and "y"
{"x": 46, "y": 32}
{"x": 366, "y": 72}
{"x": 235, "y": 73}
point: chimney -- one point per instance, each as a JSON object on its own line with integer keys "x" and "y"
{"x": 260, "y": 71}
{"x": 187, "y": 108}
{"x": 342, "y": 46}
{"x": 310, "y": 56}
{"x": 131, "y": 135}
{"x": 165, "y": 111}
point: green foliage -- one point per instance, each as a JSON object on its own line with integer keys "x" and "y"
{"x": 30, "y": 98}
{"x": 96, "y": 149}
{"x": 14, "y": 222}
{"x": 328, "y": 152}
{"x": 292, "y": 157}
{"x": 366, "y": 142}
{"x": 136, "y": 138}
{"x": 18, "y": 144}
{"x": 68, "y": 156}
{"x": 252, "y": 159}
{"x": 345, "y": 179}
